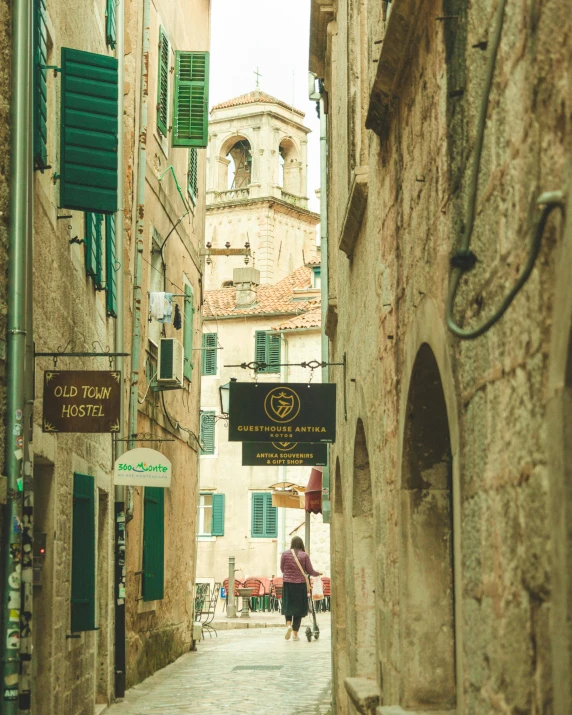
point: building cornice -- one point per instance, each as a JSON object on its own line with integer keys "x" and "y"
{"x": 268, "y": 202}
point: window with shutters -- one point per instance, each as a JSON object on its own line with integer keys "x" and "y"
{"x": 40, "y": 91}
{"x": 94, "y": 248}
{"x": 83, "y": 554}
{"x": 208, "y": 432}
{"x": 209, "y": 353}
{"x": 188, "y": 319}
{"x": 88, "y": 134}
{"x": 110, "y": 266}
{"x": 193, "y": 174}
{"x": 163, "y": 83}
{"x": 211, "y": 515}
{"x": 264, "y": 522}
{"x": 110, "y": 24}
{"x": 267, "y": 350}
{"x": 153, "y": 544}
{"x": 190, "y": 115}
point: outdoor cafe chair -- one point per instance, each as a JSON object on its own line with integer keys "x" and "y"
{"x": 207, "y": 607}
{"x": 276, "y": 594}
{"x": 237, "y": 584}
{"x": 257, "y": 593}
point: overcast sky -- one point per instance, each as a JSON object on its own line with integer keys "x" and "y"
{"x": 272, "y": 36}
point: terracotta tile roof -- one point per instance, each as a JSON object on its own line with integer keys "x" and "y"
{"x": 277, "y": 298}
{"x": 311, "y": 319}
{"x": 255, "y": 97}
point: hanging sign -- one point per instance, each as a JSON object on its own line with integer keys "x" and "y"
{"x": 271, "y": 412}
{"x": 81, "y": 401}
{"x": 142, "y": 467}
{"x": 289, "y": 454}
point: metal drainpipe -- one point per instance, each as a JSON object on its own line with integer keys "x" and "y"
{"x": 19, "y": 239}
{"x": 326, "y": 503}
{"x": 119, "y": 600}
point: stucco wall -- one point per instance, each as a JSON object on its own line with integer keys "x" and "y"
{"x": 504, "y": 544}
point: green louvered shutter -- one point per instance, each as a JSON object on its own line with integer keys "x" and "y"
{"x": 193, "y": 174}
{"x": 83, "y": 554}
{"x": 260, "y": 348}
{"x": 209, "y": 353}
{"x": 188, "y": 332}
{"x": 218, "y": 515}
{"x": 98, "y": 240}
{"x": 110, "y": 266}
{"x": 110, "y": 24}
{"x": 190, "y": 117}
{"x": 163, "y": 83}
{"x": 153, "y": 544}
{"x": 257, "y": 525}
{"x": 270, "y": 518}
{"x": 88, "y": 136}
{"x": 90, "y": 243}
{"x": 273, "y": 352}
{"x": 208, "y": 432}
{"x": 40, "y": 85}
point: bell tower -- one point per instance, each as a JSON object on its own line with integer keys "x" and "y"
{"x": 257, "y": 188}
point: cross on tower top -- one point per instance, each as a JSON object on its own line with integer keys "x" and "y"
{"x": 258, "y": 76}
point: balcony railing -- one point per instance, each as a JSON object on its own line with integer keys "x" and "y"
{"x": 293, "y": 199}
{"x": 231, "y": 195}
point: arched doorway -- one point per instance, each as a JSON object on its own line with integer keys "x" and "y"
{"x": 427, "y": 605}
{"x": 363, "y": 546}
{"x": 339, "y": 591}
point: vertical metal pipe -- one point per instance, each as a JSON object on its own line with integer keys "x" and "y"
{"x": 326, "y": 503}
{"x": 119, "y": 513}
{"x": 19, "y": 239}
{"x": 230, "y": 604}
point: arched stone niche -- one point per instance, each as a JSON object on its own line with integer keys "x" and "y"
{"x": 339, "y": 599}
{"x": 430, "y": 663}
{"x": 290, "y": 166}
{"x": 363, "y": 546}
{"x": 233, "y": 163}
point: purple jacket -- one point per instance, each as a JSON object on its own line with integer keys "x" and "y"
{"x": 289, "y": 567}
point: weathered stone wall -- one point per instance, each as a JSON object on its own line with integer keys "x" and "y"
{"x": 507, "y": 547}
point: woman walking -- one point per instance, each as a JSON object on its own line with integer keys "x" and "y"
{"x": 295, "y": 564}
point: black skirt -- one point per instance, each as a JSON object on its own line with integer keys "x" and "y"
{"x": 294, "y": 599}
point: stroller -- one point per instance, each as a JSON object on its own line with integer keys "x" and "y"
{"x": 315, "y": 631}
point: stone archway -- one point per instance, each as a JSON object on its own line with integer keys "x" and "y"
{"x": 427, "y": 601}
{"x": 339, "y": 591}
{"x": 234, "y": 163}
{"x": 363, "y": 569}
{"x": 289, "y": 168}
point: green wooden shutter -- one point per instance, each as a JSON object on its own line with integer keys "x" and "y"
{"x": 209, "y": 353}
{"x": 208, "y": 432}
{"x": 83, "y": 554}
{"x": 218, "y": 515}
{"x": 260, "y": 348}
{"x": 110, "y": 266}
{"x": 193, "y": 174}
{"x": 153, "y": 544}
{"x": 273, "y": 352}
{"x": 257, "y": 525}
{"x": 40, "y": 96}
{"x": 163, "y": 83}
{"x": 88, "y": 136}
{"x": 98, "y": 275}
{"x": 190, "y": 117}
{"x": 270, "y": 518}
{"x": 110, "y": 24}
{"x": 90, "y": 243}
{"x": 188, "y": 331}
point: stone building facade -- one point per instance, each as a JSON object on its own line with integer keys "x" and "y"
{"x": 453, "y": 462}
{"x": 69, "y": 665}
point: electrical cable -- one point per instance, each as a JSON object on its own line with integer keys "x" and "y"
{"x": 464, "y": 259}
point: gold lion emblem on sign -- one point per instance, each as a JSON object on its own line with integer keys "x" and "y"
{"x": 285, "y": 446}
{"x": 282, "y": 404}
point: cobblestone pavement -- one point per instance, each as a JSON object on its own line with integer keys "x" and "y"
{"x": 206, "y": 681}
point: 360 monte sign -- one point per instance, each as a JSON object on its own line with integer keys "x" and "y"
{"x": 143, "y": 467}
{"x": 81, "y": 401}
{"x": 271, "y": 412}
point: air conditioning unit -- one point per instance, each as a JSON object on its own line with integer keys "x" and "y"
{"x": 170, "y": 365}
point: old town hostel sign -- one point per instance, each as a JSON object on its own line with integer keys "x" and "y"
{"x": 81, "y": 401}
{"x": 271, "y": 412}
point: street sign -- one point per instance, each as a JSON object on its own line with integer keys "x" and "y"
{"x": 81, "y": 401}
{"x": 142, "y": 467}
{"x": 273, "y": 412}
{"x": 289, "y": 454}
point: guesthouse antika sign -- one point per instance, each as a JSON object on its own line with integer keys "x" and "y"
{"x": 81, "y": 401}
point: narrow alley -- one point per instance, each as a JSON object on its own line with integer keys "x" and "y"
{"x": 252, "y": 670}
